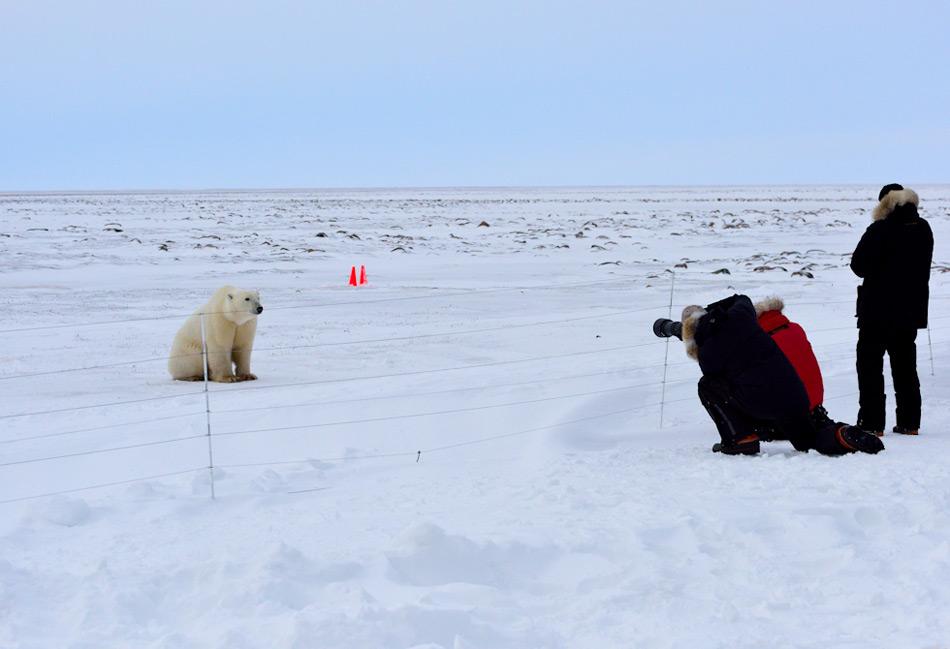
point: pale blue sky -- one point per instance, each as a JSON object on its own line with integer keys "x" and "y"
{"x": 191, "y": 94}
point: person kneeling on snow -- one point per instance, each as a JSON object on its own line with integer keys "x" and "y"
{"x": 791, "y": 339}
{"x": 749, "y": 385}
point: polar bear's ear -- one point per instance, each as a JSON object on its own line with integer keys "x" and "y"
{"x": 230, "y": 297}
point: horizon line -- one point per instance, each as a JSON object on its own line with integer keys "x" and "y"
{"x": 209, "y": 190}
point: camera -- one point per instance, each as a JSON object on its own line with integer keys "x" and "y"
{"x": 664, "y": 328}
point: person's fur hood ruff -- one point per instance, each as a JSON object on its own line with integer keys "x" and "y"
{"x": 892, "y": 200}
{"x": 769, "y": 304}
{"x": 691, "y": 316}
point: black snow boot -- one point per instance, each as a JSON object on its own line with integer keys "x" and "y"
{"x": 745, "y": 448}
{"x": 900, "y": 430}
{"x": 856, "y": 440}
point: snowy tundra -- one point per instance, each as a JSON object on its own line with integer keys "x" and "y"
{"x": 467, "y": 452}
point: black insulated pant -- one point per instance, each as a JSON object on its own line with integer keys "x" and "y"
{"x": 735, "y": 423}
{"x": 900, "y": 345}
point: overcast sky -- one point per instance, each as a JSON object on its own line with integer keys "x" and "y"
{"x": 198, "y": 94}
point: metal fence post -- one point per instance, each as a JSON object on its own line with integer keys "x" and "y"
{"x": 930, "y": 344}
{"x": 204, "y": 359}
{"x": 666, "y": 354}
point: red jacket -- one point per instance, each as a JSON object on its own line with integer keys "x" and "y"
{"x": 793, "y": 342}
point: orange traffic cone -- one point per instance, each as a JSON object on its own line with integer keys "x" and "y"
{"x": 353, "y": 276}
{"x": 362, "y": 275}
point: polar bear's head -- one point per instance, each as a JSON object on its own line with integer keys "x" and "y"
{"x": 241, "y": 306}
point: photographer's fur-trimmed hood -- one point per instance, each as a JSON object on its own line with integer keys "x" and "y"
{"x": 693, "y": 313}
{"x": 892, "y": 200}
{"x": 769, "y": 313}
{"x": 772, "y": 303}
{"x": 690, "y": 321}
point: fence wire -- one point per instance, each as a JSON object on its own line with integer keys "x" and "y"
{"x": 123, "y": 424}
{"x": 102, "y": 485}
{"x": 102, "y": 450}
{"x": 108, "y": 404}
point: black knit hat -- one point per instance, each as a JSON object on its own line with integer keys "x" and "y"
{"x": 893, "y": 187}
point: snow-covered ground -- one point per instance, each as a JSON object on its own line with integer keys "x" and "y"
{"x": 548, "y": 507}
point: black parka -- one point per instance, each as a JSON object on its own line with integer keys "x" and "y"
{"x": 894, "y": 258}
{"x": 732, "y": 346}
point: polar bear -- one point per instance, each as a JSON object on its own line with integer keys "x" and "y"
{"x": 230, "y": 322}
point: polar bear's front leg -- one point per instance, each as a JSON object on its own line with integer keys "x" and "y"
{"x": 241, "y": 354}
{"x": 242, "y": 359}
{"x": 220, "y": 369}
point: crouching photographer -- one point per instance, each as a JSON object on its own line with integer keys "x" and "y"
{"x": 749, "y": 386}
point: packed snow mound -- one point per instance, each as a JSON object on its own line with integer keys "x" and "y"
{"x": 427, "y": 556}
{"x": 67, "y": 511}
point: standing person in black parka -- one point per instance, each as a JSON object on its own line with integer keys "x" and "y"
{"x": 894, "y": 258}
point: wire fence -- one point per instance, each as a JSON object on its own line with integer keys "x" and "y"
{"x": 207, "y": 391}
{"x": 415, "y": 394}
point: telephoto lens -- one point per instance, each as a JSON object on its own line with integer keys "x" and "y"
{"x": 664, "y": 328}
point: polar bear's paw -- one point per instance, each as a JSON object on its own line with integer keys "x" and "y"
{"x": 227, "y": 379}
{"x": 247, "y": 377}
